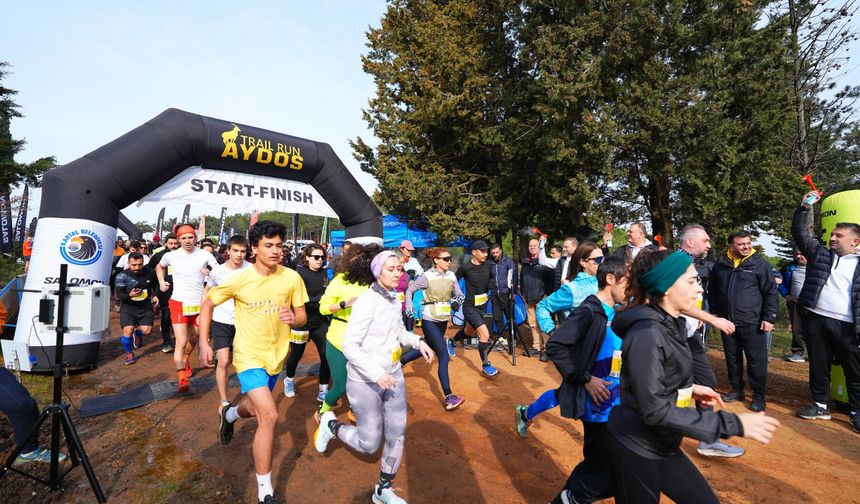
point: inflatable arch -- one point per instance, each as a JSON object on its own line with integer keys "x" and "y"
{"x": 175, "y": 156}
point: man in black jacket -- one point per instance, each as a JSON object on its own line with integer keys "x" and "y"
{"x": 587, "y": 355}
{"x": 532, "y": 289}
{"x": 742, "y": 289}
{"x": 636, "y": 242}
{"x": 830, "y": 299}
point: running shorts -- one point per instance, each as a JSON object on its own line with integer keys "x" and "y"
{"x": 222, "y": 335}
{"x": 183, "y": 313}
{"x": 131, "y": 315}
{"x": 474, "y": 316}
{"x": 254, "y": 378}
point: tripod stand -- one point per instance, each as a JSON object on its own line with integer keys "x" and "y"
{"x": 511, "y": 330}
{"x": 58, "y": 412}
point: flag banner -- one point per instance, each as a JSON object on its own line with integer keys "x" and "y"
{"x": 201, "y": 227}
{"x": 221, "y": 237}
{"x": 31, "y": 229}
{"x": 295, "y": 226}
{"x": 242, "y": 192}
{"x": 5, "y": 223}
{"x": 159, "y": 224}
{"x": 21, "y": 223}
{"x": 185, "y": 213}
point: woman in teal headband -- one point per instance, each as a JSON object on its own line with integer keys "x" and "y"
{"x": 657, "y": 390}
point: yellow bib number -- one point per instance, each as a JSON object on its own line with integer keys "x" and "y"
{"x": 615, "y": 369}
{"x": 142, "y": 296}
{"x": 395, "y": 355}
{"x": 189, "y": 310}
{"x": 442, "y": 308}
{"x": 401, "y": 297}
{"x": 299, "y": 337}
{"x": 685, "y": 397}
{"x": 480, "y": 299}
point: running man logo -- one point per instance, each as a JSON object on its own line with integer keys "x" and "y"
{"x": 82, "y": 247}
{"x": 262, "y": 150}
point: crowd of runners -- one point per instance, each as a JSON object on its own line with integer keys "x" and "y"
{"x": 625, "y": 328}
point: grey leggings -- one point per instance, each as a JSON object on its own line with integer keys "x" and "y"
{"x": 377, "y": 410}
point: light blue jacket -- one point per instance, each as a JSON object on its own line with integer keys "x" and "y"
{"x": 567, "y": 297}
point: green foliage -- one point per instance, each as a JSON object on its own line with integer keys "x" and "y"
{"x": 11, "y": 172}
{"x": 9, "y": 269}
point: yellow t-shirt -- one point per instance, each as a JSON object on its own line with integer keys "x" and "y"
{"x": 261, "y": 339}
{"x": 339, "y": 290}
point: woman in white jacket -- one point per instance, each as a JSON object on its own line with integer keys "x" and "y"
{"x": 375, "y": 385}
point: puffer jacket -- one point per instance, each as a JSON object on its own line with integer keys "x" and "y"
{"x": 657, "y": 368}
{"x": 746, "y": 294}
{"x": 819, "y": 263}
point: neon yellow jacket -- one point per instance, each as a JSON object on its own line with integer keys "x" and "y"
{"x": 339, "y": 290}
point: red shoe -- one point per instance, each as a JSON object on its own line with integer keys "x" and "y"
{"x": 188, "y": 372}
{"x": 184, "y": 386}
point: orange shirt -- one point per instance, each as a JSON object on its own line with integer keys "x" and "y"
{"x": 27, "y": 248}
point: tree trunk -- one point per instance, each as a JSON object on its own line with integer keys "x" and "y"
{"x": 661, "y": 213}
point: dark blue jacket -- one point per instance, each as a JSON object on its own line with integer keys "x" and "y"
{"x": 501, "y": 268}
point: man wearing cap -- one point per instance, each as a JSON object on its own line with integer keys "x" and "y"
{"x": 480, "y": 279}
{"x": 411, "y": 263}
{"x": 190, "y": 265}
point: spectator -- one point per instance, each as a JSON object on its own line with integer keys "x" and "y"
{"x": 27, "y": 251}
{"x": 742, "y": 289}
{"x": 410, "y": 263}
{"x": 507, "y": 283}
{"x": 793, "y": 275}
{"x": 568, "y": 247}
{"x": 532, "y": 289}
{"x": 17, "y": 404}
{"x": 636, "y": 242}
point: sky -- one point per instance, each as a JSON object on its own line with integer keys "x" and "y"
{"x": 88, "y": 72}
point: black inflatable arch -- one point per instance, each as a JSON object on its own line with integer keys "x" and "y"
{"x": 81, "y": 203}
{"x": 96, "y": 186}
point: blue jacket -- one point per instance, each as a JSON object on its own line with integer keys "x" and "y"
{"x": 785, "y": 273}
{"x": 568, "y": 297}
{"x": 502, "y": 267}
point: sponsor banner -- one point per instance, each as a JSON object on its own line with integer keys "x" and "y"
{"x": 242, "y": 191}
{"x": 221, "y": 239}
{"x": 186, "y": 213}
{"x": 159, "y": 225}
{"x": 5, "y": 223}
{"x": 22, "y": 216}
{"x": 87, "y": 247}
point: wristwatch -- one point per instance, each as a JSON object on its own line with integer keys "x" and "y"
{"x": 342, "y": 305}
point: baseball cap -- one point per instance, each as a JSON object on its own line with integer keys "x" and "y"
{"x": 479, "y": 245}
{"x": 407, "y": 245}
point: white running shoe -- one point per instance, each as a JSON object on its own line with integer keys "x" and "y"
{"x": 289, "y": 387}
{"x": 323, "y": 433}
{"x": 386, "y": 496}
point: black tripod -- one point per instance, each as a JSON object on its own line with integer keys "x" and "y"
{"x": 58, "y": 412}
{"x": 513, "y": 335}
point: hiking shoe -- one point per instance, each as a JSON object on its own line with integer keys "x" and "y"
{"x": 38, "y": 455}
{"x": 489, "y": 371}
{"x": 129, "y": 358}
{"x": 137, "y": 340}
{"x": 855, "y": 423}
{"x": 324, "y": 433}
{"x": 521, "y": 422}
{"x": 166, "y": 348}
{"x": 453, "y": 402}
{"x": 814, "y": 412}
{"x": 795, "y": 357}
{"x": 270, "y": 499}
{"x": 225, "y": 428}
{"x": 289, "y": 387}
{"x": 386, "y": 496}
{"x": 757, "y": 404}
{"x": 188, "y": 371}
{"x": 450, "y": 346}
{"x": 566, "y": 497}
{"x": 183, "y": 386}
{"x": 733, "y": 396}
{"x": 321, "y": 395}
{"x": 719, "y": 449}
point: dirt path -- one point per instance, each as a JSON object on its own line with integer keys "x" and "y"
{"x": 168, "y": 451}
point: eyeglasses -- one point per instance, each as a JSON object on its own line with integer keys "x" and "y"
{"x": 446, "y": 258}
{"x": 317, "y": 257}
{"x": 597, "y": 260}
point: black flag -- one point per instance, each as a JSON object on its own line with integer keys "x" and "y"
{"x": 22, "y": 216}
{"x": 186, "y": 213}
{"x": 5, "y": 223}
{"x": 31, "y": 230}
{"x": 221, "y": 238}
{"x": 159, "y": 224}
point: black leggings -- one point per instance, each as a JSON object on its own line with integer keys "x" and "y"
{"x": 297, "y": 350}
{"x": 434, "y": 335}
{"x": 639, "y": 480}
{"x": 164, "y": 304}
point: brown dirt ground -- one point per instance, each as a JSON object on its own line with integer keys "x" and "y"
{"x": 168, "y": 451}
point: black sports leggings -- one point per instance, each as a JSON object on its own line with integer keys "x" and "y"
{"x": 297, "y": 350}
{"x": 639, "y": 480}
{"x": 434, "y": 335}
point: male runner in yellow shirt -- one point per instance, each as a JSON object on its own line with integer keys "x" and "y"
{"x": 269, "y": 299}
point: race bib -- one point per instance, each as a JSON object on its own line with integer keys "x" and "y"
{"x": 685, "y": 397}
{"x": 299, "y": 337}
{"x": 481, "y": 299}
{"x": 170, "y": 270}
{"x": 141, "y": 297}
{"x": 395, "y": 355}
{"x": 615, "y": 369}
{"x": 189, "y": 310}
{"x": 442, "y": 308}
{"x": 401, "y": 297}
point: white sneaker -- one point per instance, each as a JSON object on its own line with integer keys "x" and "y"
{"x": 323, "y": 433}
{"x": 386, "y": 496}
{"x": 289, "y": 387}
{"x": 719, "y": 449}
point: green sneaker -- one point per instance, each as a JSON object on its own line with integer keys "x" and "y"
{"x": 522, "y": 423}
{"x": 38, "y": 455}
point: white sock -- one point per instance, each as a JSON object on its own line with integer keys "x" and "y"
{"x": 264, "y": 486}
{"x": 324, "y": 388}
{"x": 287, "y": 379}
{"x": 820, "y": 405}
{"x": 232, "y": 414}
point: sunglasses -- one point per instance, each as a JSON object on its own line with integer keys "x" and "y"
{"x": 597, "y": 260}
{"x": 446, "y": 258}
{"x": 317, "y": 257}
